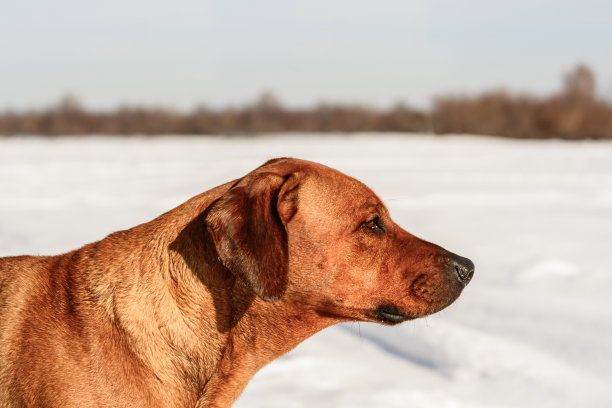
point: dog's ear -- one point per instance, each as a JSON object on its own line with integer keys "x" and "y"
{"x": 247, "y": 225}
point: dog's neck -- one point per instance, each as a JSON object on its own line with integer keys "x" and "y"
{"x": 254, "y": 332}
{"x": 212, "y": 330}
{"x": 260, "y": 334}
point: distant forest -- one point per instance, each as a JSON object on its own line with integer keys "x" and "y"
{"x": 574, "y": 113}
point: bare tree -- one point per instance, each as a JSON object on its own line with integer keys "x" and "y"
{"x": 580, "y": 84}
{"x": 69, "y": 104}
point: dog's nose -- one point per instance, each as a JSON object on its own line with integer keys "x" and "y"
{"x": 464, "y": 268}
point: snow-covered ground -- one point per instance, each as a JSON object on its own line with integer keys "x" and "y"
{"x": 533, "y": 329}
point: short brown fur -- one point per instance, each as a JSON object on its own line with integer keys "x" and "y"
{"x": 183, "y": 310}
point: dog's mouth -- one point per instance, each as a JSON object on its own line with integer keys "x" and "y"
{"x": 390, "y": 315}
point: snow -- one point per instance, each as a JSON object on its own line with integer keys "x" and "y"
{"x": 533, "y": 329}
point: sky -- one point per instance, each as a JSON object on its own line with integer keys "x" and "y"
{"x": 186, "y": 53}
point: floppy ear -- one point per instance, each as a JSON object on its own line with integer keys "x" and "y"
{"x": 248, "y": 230}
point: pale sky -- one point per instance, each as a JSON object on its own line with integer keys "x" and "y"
{"x": 183, "y": 53}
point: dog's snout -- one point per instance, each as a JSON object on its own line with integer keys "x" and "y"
{"x": 464, "y": 268}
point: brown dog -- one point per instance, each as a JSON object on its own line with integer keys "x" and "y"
{"x": 183, "y": 310}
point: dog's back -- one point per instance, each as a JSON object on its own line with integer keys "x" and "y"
{"x": 18, "y": 275}
{"x": 20, "y": 281}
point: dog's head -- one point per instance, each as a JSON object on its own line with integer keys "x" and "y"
{"x": 310, "y": 234}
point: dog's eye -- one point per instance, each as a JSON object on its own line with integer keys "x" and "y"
{"x": 375, "y": 225}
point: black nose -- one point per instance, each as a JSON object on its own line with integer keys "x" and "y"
{"x": 464, "y": 268}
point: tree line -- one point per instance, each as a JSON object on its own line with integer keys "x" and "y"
{"x": 573, "y": 113}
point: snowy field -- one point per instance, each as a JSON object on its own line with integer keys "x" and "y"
{"x": 533, "y": 329}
